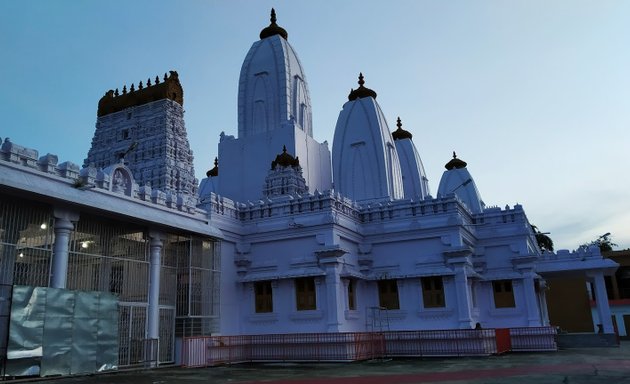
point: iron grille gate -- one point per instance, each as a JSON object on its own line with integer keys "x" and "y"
{"x": 134, "y": 348}
{"x": 167, "y": 335}
{"x": 131, "y": 332}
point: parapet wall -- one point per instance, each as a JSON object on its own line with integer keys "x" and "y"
{"x": 374, "y": 212}
{"x": 116, "y": 178}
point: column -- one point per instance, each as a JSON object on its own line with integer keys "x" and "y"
{"x": 331, "y": 260}
{"x": 542, "y": 297}
{"x": 601, "y": 299}
{"x": 463, "y": 298}
{"x": 533, "y": 314}
{"x": 459, "y": 258}
{"x": 153, "y": 313}
{"x": 333, "y": 290}
{"x": 63, "y": 228}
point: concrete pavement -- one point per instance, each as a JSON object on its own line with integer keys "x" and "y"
{"x": 571, "y": 366}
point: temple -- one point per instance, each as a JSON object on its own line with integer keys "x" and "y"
{"x": 355, "y": 241}
{"x": 282, "y": 237}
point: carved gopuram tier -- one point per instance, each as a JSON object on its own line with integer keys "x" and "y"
{"x": 144, "y": 127}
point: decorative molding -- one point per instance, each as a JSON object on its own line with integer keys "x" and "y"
{"x": 263, "y": 318}
{"x": 306, "y": 316}
{"x": 351, "y": 314}
{"x": 436, "y": 313}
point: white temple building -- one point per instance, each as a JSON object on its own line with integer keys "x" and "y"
{"x": 284, "y": 235}
{"x": 365, "y": 246}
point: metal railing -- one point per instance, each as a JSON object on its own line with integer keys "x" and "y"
{"x": 299, "y": 347}
{"x": 353, "y": 346}
{"x": 456, "y": 342}
{"x": 534, "y": 339}
{"x": 145, "y": 352}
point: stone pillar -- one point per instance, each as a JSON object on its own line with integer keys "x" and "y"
{"x": 459, "y": 259}
{"x": 601, "y": 299}
{"x": 543, "y": 307}
{"x": 463, "y": 298}
{"x": 331, "y": 259}
{"x": 335, "y": 305}
{"x": 63, "y": 228}
{"x": 529, "y": 291}
{"x": 153, "y": 313}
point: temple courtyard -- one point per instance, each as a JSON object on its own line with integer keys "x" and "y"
{"x": 581, "y": 365}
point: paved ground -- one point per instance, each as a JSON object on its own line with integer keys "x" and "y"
{"x": 574, "y": 366}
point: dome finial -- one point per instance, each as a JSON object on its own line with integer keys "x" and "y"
{"x": 455, "y": 163}
{"x": 285, "y": 160}
{"x": 214, "y": 171}
{"x": 273, "y": 16}
{"x": 361, "y": 91}
{"x": 400, "y": 133}
{"x": 273, "y": 28}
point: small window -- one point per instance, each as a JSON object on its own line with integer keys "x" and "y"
{"x": 128, "y": 115}
{"x": 125, "y": 134}
{"x": 503, "y": 294}
{"x": 263, "y": 296}
{"x": 305, "y": 294}
{"x": 388, "y": 294}
{"x": 352, "y": 295}
{"x": 433, "y": 292}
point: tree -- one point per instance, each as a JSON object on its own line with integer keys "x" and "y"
{"x": 544, "y": 242}
{"x": 604, "y": 242}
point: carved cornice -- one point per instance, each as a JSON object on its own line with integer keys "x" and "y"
{"x": 330, "y": 254}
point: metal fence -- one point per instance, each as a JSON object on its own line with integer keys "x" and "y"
{"x": 198, "y": 287}
{"x": 457, "y": 342}
{"x": 353, "y": 346}
{"x": 302, "y": 347}
{"x": 167, "y": 335}
{"x": 131, "y": 332}
{"x": 26, "y": 240}
{"x": 534, "y": 339}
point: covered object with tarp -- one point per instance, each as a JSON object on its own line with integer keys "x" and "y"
{"x": 61, "y": 332}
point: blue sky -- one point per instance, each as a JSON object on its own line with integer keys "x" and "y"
{"x": 534, "y": 95}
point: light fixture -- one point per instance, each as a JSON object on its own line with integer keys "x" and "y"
{"x": 85, "y": 244}
{"x": 43, "y": 226}
{"x": 21, "y": 254}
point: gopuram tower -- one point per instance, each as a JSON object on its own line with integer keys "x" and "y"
{"x": 144, "y": 128}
